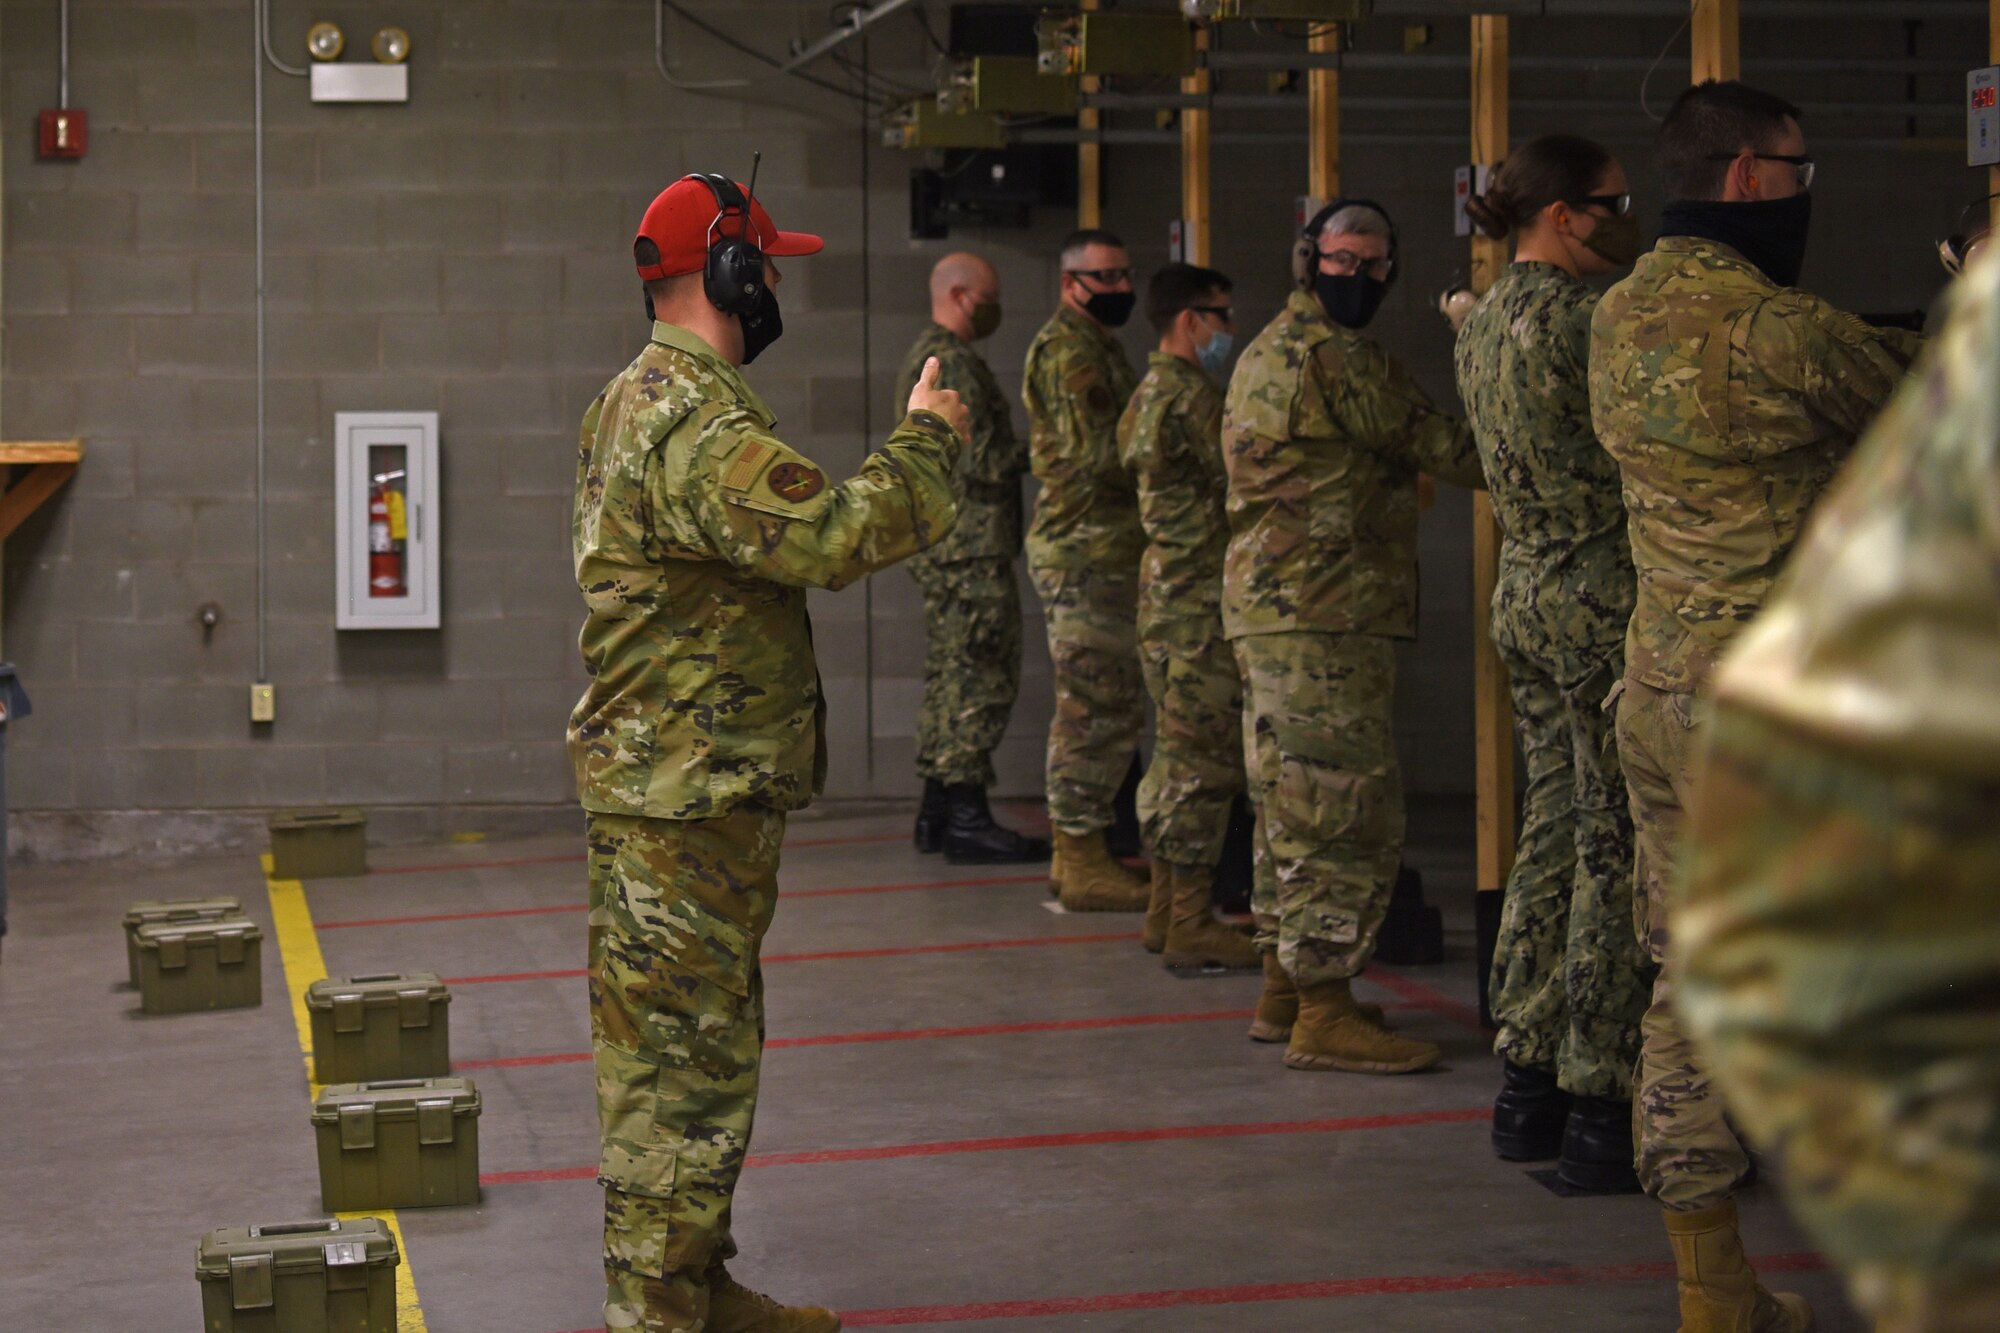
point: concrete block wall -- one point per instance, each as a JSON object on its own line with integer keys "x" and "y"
{"x": 467, "y": 253}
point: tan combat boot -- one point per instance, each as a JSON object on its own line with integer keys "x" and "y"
{"x": 1088, "y": 880}
{"x": 1333, "y": 1033}
{"x": 676, "y": 1303}
{"x": 1153, "y": 935}
{"x": 733, "y": 1308}
{"x": 1719, "y": 1292}
{"x": 1278, "y": 1006}
{"x": 1194, "y": 937}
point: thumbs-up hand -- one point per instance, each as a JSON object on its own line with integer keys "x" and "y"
{"x": 927, "y": 397}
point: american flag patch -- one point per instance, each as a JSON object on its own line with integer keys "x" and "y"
{"x": 744, "y": 470}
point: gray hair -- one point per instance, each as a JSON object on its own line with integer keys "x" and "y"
{"x": 1356, "y": 220}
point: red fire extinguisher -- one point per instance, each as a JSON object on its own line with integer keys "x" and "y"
{"x": 385, "y": 552}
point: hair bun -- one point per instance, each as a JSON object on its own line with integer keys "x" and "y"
{"x": 1489, "y": 213}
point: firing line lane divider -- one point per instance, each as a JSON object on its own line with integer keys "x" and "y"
{"x": 299, "y": 951}
{"x": 1022, "y": 1142}
{"x": 783, "y": 896}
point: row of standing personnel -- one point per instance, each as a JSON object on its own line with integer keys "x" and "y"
{"x": 697, "y": 531}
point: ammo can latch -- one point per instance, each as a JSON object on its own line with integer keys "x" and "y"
{"x": 250, "y": 1281}
{"x": 416, "y": 1006}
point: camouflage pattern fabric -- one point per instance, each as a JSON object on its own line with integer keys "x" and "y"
{"x": 1836, "y": 932}
{"x": 1729, "y": 403}
{"x": 1324, "y": 434}
{"x": 1100, "y": 693}
{"x": 972, "y": 605}
{"x": 678, "y": 912}
{"x": 1322, "y": 766}
{"x": 1720, "y": 393}
{"x": 696, "y": 534}
{"x": 1083, "y": 554}
{"x": 1570, "y": 979}
{"x": 1170, "y": 438}
{"x": 987, "y": 482}
{"x": 972, "y": 666}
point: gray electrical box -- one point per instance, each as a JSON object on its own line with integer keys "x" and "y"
{"x": 385, "y": 506}
{"x": 1982, "y": 117}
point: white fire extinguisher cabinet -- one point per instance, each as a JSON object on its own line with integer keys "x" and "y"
{"x": 386, "y": 514}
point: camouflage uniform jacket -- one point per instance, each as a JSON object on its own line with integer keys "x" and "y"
{"x": 1566, "y": 580}
{"x": 696, "y": 533}
{"x": 1883, "y": 641}
{"x": 1075, "y": 384}
{"x": 1729, "y": 403}
{"x": 1170, "y": 437}
{"x": 1324, "y": 434}
{"x": 988, "y": 478}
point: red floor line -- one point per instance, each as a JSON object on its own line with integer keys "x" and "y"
{"x": 832, "y": 955}
{"x": 1016, "y": 1143}
{"x": 495, "y": 913}
{"x": 1424, "y": 997}
{"x": 571, "y": 858}
{"x": 914, "y": 1034}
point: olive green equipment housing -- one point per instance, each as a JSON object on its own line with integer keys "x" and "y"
{"x": 323, "y": 1276}
{"x": 918, "y": 123}
{"x": 1098, "y": 43}
{"x": 318, "y": 844}
{"x": 398, "y": 1143}
{"x": 1006, "y": 85}
{"x": 153, "y": 912}
{"x": 1303, "y": 11}
{"x": 185, "y": 966}
{"x": 389, "y": 1025}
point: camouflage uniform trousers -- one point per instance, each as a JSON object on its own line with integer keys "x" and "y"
{"x": 1838, "y": 953}
{"x": 1688, "y": 1156}
{"x": 1321, "y": 760}
{"x": 972, "y": 666}
{"x": 1196, "y": 770}
{"x": 1093, "y": 622}
{"x": 1570, "y": 977}
{"x": 678, "y": 911}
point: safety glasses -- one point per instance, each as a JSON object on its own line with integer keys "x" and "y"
{"x": 1800, "y": 163}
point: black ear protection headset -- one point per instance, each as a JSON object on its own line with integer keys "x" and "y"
{"x": 733, "y": 277}
{"x": 1952, "y": 249}
{"x": 1305, "y": 251}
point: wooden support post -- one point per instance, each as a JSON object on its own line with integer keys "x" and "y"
{"x": 1323, "y": 111}
{"x": 1194, "y": 162}
{"x": 1716, "y": 35}
{"x": 1089, "y": 156}
{"x": 1493, "y": 711}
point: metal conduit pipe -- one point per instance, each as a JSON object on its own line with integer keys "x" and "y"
{"x": 1363, "y": 62}
{"x": 260, "y": 52}
{"x": 1172, "y": 138}
{"x": 1814, "y": 11}
{"x": 264, "y": 44}
{"x": 1592, "y": 106}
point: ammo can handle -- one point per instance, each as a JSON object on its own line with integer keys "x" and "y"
{"x": 295, "y": 1228}
{"x": 378, "y": 976}
{"x": 397, "y": 1083}
{"x": 319, "y": 817}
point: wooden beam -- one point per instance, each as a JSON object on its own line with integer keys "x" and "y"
{"x": 1089, "y": 156}
{"x": 1493, "y": 709}
{"x": 1194, "y": 162}
{"x": 1716, "y": 38}
{"x": 40, "y": 451}
{"x": 1323, "y": 113}
{"x": 25, "y": 496}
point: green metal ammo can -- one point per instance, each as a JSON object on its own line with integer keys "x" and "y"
{"x": 389, "y": 1025}
{"x": 323, "y": 1276}
{"x": 318, "y": 844}
{"x": 403, "y": 1143}
{"x": 184, "y": 909}
{"x": 191, "y": 965}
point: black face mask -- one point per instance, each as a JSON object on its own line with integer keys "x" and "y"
{"x": 1349, "y": 299}
{"x": 762, "y": 326}
{"x": 1111, "y": 309}
{"x": 1770, "y": 233}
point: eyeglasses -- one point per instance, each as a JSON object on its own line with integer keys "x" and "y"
{"x": 1109, "y": 277}
{"x": 1221, "y": 312}
{"x": 1349, "y": 262}
{"x": 1800, "y": 163}
{"x": 1617, "y": 205}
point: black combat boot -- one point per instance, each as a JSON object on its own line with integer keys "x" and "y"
{"x": 1529, "y": 1115}
{"x": 971, "y": 838}
{"x": 930, "y": 818}
{"x": 1597, "y": 1147}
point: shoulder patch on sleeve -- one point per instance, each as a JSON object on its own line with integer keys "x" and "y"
{"x": 749, "y": 462}
{"x": 795, "y": 481}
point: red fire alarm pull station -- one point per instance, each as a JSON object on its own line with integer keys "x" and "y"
{"x": 65, "y": 131}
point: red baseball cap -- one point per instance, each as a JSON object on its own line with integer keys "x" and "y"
{"x": 679, "y": 221}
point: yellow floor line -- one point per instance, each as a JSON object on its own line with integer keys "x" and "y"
{"x": 298, "y": 948}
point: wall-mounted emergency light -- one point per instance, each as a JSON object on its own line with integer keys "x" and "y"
{"x": 335, "y": 80}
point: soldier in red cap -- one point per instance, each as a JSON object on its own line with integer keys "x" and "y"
{"x": 696, "y": 535}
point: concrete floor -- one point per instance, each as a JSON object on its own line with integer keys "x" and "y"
{"x": 1077, "y": 1172}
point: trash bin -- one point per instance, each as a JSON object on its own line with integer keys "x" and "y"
{"x": 13, "y": 704}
